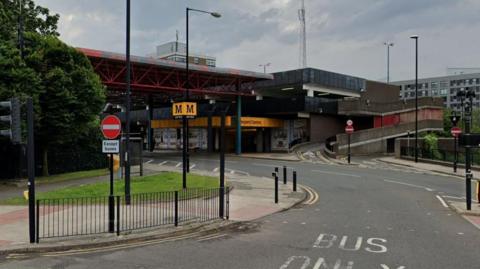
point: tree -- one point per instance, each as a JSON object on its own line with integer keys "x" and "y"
{"x": 68, "y": 95}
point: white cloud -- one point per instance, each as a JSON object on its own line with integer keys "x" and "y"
{"x": 345, "y": 36}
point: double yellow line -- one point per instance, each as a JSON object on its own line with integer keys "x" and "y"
{"x": 312, "y": 195}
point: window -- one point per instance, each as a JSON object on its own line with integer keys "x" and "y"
{"x": 443, "y": 84}
{"x": 434, "y": 85}
{"x": 443, "y": 92}
{"x": 210, "y": 62}
{"x": 195, "y": 60}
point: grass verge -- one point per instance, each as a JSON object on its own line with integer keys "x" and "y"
{"x": 72, "y": 176}
{"x": 167, "y": 181}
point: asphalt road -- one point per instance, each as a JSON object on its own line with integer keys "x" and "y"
{"x": 373, "y": 216}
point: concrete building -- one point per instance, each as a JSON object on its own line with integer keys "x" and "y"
{"x": 445, "y": 87}
{"x": 177, "y": 52}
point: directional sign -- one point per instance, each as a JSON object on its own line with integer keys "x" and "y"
{"x": 111, "y": 127}
{"x": 349, "y": 129}
{"x": 455, "y": 131}
{"x": 349, "y": 122}
{"x": 111, "y": 146}
{"x": 188, "y": 109}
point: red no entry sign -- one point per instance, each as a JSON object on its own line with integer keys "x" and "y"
{"x": 455, "y": 131}
{"x": 111, "y": 127}
{"x": 349, "y": 129}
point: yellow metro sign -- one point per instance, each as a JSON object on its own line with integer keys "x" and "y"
{"x": 188, "y": 109}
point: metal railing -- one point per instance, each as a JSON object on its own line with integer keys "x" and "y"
{"x": 440, "y": 155}
{"x": 63, "y": 217}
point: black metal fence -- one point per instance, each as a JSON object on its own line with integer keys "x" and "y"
{"x": 440, "y": 155}
{"x": 65, "y": 217}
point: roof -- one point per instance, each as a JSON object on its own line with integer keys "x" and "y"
{"x": 91, "y": 53}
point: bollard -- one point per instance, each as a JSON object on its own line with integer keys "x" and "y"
{"x": 294, "y": 180}
{"x": 276, "y": 169}
{"x": 118, "y": 215}
{"x": 284, "y": 174}
{"x": 176, "y": 209}
{"x": 276, "y": 187}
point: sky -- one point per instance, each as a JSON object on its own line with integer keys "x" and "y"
{"x": 344, "y": 36}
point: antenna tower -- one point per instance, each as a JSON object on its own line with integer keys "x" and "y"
{"x": 302, "y": 59}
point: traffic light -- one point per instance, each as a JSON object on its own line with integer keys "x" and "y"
{"x": 10, "y": 125}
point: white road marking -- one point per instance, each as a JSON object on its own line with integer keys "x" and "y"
{"x": 335, "y": 173}
{"x": 441, "y": 201}
{"x": 149, "y": 161}
{"x": 408, "y": 184}
{"x": 178, "y": 164}
{"x": 303, "y": 223}
{"x": 460, "y": 233}
{"x": 453, "y": 197}
{"x": 232, "y": 171}
{"x": 267, "y": 165}
{"x": 192, "y": 166}
{"x": 305, "y": 264}
{"x": 213, "y": 160}
{"x": 162, "y": 163}
{"x": 215, "y": 169}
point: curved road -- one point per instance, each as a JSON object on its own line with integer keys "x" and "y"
{"x": 373, "y": 216}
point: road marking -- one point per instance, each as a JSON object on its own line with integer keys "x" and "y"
{"x": 192, "y": 166}
{"x": 151, "y": 160}
{"x": 312, "y": 194}
{"x": 178, "y": 164}
{"x": 232, "y": 171}
{"x": 118, "y": 247}
{"x": 453, "y": 197}
{"x": 162, "y": 163}
{"x": 335, "y": 173}
{"x": 442, "y": 201}
{"x": 305, "y": 264}
{"x": 210, "y": 237}
{"x": 408, "y": 184}
{"x": 214, "y": 160}
{"x": 215, "y": 169}
{"x": 266, "y": 165}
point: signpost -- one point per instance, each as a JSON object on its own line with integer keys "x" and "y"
{"x": 349, "y": 130}
{"x": 184, "y": 111}
{"x": 455, "y": 131}
{"x": 111, "y": 127}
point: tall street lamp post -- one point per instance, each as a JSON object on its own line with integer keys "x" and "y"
{"x": 416, "y": 96}
{"x": 127, "y": 110}
{"x": 388, "y": 44}
{"x": 265, "y": 67}
{"x": 185, "y": 157}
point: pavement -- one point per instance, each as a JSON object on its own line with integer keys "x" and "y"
{"x": 251, "y": 198}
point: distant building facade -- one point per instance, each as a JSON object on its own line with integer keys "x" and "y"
{"x": 445, "y": 87}
{"x": 176, "y": 51}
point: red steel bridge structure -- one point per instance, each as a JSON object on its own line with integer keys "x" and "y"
{"x": 158, "y": 76}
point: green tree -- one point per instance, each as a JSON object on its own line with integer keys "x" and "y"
{"x": 67, "y": 93}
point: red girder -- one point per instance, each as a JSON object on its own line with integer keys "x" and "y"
{"x": 152, "y": 78}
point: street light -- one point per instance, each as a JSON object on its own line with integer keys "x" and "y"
{"x": 388, "y": 44}
{"x": 185, "y": 158}
{"x": 265, "y": 67}
{"x": 416, "y": 96}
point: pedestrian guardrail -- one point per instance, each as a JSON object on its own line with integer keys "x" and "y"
{"x": 64, "y": 217}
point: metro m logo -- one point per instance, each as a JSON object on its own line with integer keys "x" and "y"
{"x": 177, "y": 108}
{"x": 188, "y": 109}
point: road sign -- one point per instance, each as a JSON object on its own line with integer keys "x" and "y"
{"x": 349, "y": 129}
{"x": 188, "y": 109}
{"x": 111, "y": 146}
{"x": 349, "y": 122}
{"x": 455, "y": 131}
{"x": 111, "y": 127}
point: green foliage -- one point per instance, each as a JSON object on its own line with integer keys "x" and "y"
{"x": 167, "y": 181}
{"x": 67, "y": 94}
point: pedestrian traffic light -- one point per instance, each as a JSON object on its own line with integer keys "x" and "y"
{"x": 10, "y": 125}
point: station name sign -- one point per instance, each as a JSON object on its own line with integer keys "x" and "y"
{"x": 187, "y": 109}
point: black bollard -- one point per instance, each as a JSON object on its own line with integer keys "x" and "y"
{"x": 294, "y": 180}
{"x": 284, "y": 174}
{"x": 276, "y": 187}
